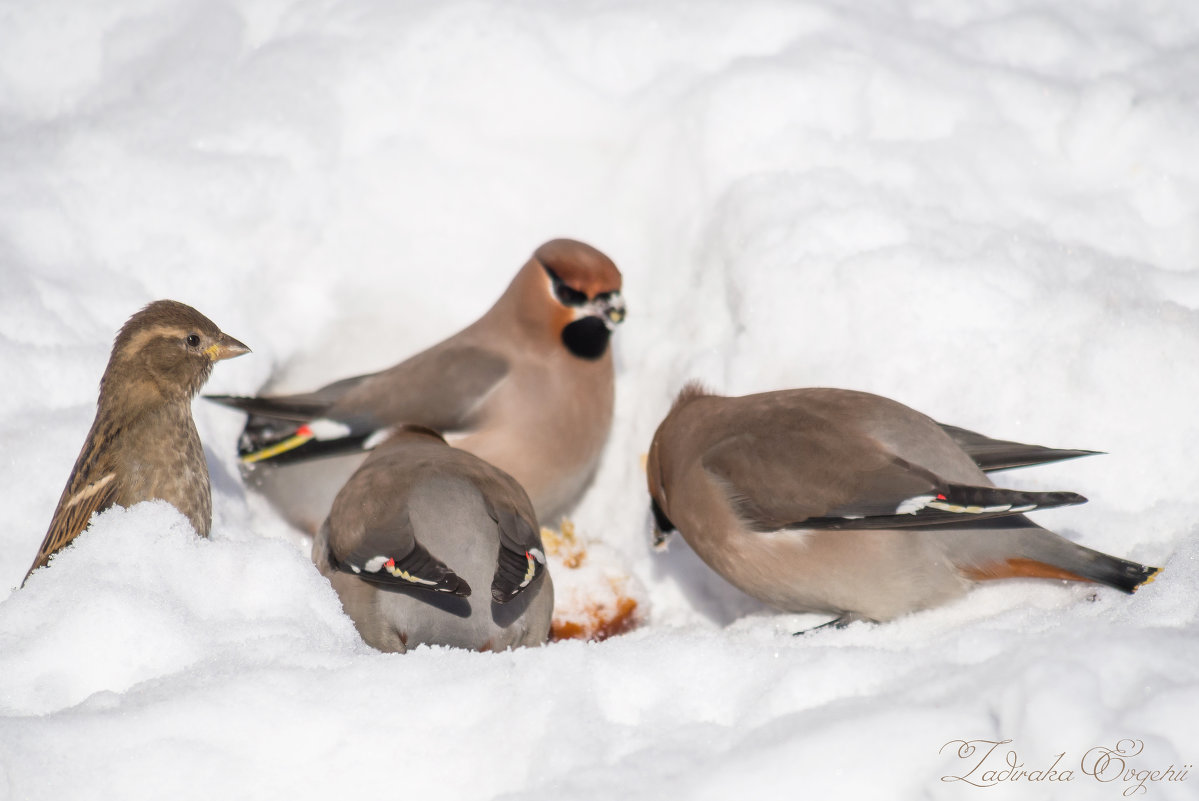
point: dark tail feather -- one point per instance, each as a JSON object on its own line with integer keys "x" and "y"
{"x": 1122, "y": 574}
{"x": 268, "y": 445}
{"x": 295, "y": 409}
{"x": 1058, "y": 558}
{"x": 998, "y": 454}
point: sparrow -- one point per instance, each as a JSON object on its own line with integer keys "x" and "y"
{"x": 528, "y": 388}
{"x": 854, "y": 505}
{"x": 143, "y": 443}
{"x": 428, "y": 544}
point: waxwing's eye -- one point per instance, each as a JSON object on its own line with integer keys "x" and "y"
{"x": 566, "y": 295}
{"x": 193, "y": 340}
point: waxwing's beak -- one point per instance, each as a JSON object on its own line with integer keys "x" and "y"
{"x": 612, "y": 308}
{"x": 663, "y": 528}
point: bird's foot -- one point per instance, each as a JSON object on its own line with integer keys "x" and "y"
{"x": 836, "y": 623}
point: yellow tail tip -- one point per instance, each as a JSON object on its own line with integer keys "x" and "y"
{"x": 291, "y": 443}
{"x": 1152, "y": 577}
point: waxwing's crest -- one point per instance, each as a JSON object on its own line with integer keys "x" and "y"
{"x": 581, "y": 268}
{"x": 532, "y": 364}
{"x": 691, "y": 390}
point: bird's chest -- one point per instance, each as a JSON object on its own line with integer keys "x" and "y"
{"x": 547, "y": 427}
{"x": 166, "y": 462}
{"x": 567, "y": 402}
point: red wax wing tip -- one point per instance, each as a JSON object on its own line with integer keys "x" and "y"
{"x": 390, "y": 563}
{"x": 940, "y": 497}
{"x": 304, "y": 431}
{"x": 528, "y": 555}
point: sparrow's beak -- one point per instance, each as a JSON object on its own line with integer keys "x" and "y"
{"x": 225, "y": 348}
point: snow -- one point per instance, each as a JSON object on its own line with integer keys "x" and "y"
{"x": 985, "y": 210}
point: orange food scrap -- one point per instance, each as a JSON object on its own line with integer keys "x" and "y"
{"x": 597, "y": 622}
{"x": 564, "y": 544}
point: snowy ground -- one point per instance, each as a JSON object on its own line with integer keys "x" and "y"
{"x": 987, "y": 210}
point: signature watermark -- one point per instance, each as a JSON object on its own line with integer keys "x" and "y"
{"x": 987, "y": 763}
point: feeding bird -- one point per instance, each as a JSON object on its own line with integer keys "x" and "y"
{"x": 528, "y": 387}
{"x": 851, "y": 504}
{"x": 416, "y": 533}
{"x": 143, "y": 444}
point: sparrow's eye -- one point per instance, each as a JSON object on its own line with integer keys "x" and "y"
{"x": 193, "y": 340}
{"x": 566, "y": 295}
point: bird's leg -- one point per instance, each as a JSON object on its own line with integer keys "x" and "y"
{"x": 836, "y": 623}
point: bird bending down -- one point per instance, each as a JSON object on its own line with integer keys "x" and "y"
{"x": 428, "y": 544}
{"x": 835, "y": 501}
{"x": 143, "y": 443}
{"x": 528, "y": 387}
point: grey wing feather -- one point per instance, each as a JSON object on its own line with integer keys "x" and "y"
{"x": 509, "y": 506}
{"x": 520, "y": 562}
{"x": 799, "y": 480}
{"x": 998, "y": 454}
{"x": 439, "y": 389}
{"x": 518, "y": 532}
{"x": 781, "y": 479}
{"x": 298, "y": 408}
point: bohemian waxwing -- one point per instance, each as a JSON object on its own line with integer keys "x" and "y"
{"x": 427, "y": 544}
{"x": 528, "y": 387}
{"x": 830, "y": 500}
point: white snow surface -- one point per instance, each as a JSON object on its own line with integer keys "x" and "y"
{"x": 987, "y": 210}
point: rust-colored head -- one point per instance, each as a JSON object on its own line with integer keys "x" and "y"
{"x": 580, "y": 267}
{"x": 571, "y": 291}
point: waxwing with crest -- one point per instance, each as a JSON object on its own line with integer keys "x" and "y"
{"x": 528, "y": 387}
{"x": 851, "y": 504}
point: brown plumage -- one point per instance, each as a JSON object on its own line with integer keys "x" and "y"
{"x": 143, "y": 444}
{"x": 528, "y": 388}
{"x": 829, "y": 500}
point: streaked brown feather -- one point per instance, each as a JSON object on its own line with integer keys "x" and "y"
{"x": 76, "y": 505}
{"x": 143, "y": 444}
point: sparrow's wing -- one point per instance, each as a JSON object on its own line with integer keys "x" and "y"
{"x": 92, "y": 487}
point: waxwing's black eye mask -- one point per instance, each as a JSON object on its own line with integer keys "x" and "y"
{"x": 587, "y": 337}
{"x": 566, "y": 295}
{"x": 660, "y": 518}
